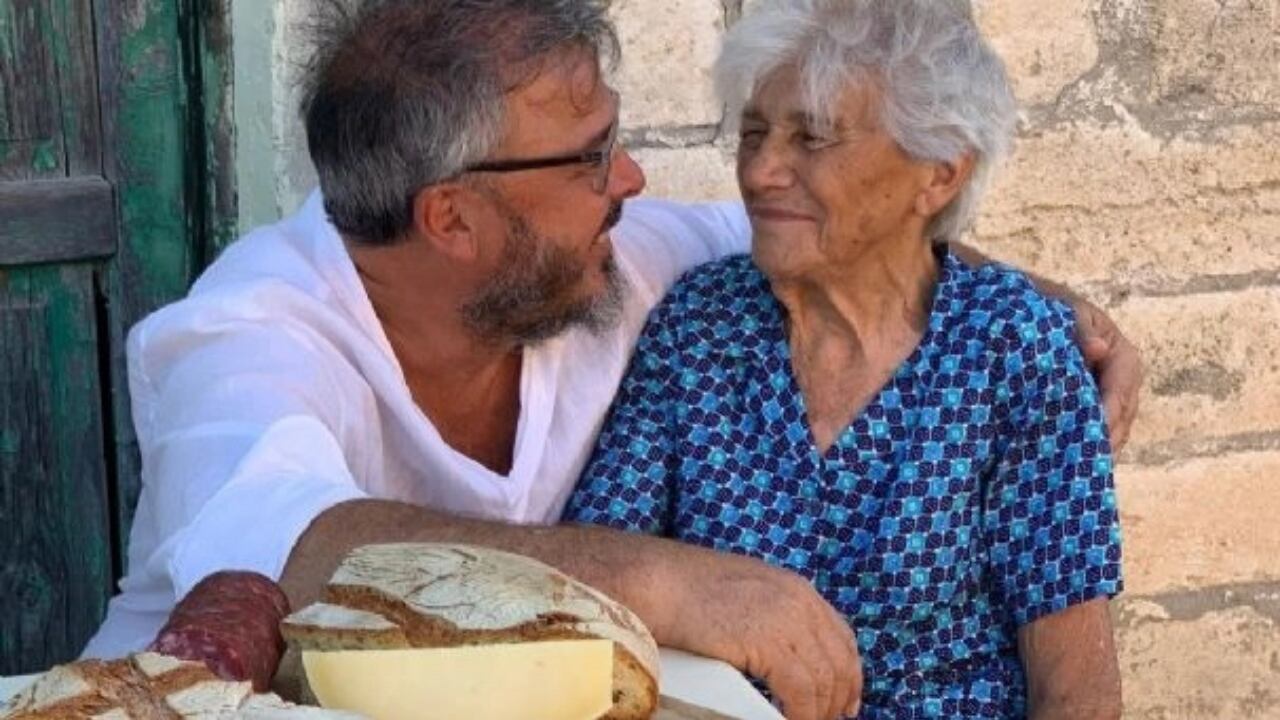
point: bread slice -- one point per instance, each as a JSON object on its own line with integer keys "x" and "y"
{"x": 149, "y": 686}
{"x": 436, "y": 595}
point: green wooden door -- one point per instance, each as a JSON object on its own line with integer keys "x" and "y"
{"x": 105, "y": 207}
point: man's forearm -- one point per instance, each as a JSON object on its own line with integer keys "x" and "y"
{"x": 625, "y": 567}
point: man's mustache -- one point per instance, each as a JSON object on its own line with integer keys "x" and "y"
{"x": 615, "y": 215}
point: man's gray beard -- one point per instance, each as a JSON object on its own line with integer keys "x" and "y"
{"x": 519, "y": 305}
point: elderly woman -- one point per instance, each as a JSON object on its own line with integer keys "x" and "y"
{"x": 919, "y": 438}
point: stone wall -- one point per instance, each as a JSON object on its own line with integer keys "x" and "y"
{"x": 1147, "y": 175}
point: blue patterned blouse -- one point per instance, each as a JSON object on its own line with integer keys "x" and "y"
{"x": 971, "y": 496}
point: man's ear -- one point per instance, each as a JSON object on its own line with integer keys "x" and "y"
{"x": 441, "y": 220}
{"x": 945, "y": 181}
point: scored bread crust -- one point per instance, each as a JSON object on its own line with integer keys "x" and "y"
{"x": 438, "y": 595}
{"x": 149, "y": 686}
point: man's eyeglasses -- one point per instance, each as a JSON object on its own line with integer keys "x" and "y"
{"x": 602, "y": 159}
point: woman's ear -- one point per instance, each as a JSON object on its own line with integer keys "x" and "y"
{"x": 945, "y": 182}
{"x": 440, "y": 218}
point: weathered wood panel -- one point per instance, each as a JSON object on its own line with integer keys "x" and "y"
{"x": 55, "y": 567}
{"x": 146, "y": 142}
{"x": 56, "y": 220}
{"x": 49, "y": 124}
{"x": 55, "y": 209}
{"x": 30, "y": 129}
{"x": 211, "y": 67}
{"x": 74, "y": 54}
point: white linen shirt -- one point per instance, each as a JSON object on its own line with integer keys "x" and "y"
{"x": 270, "y": 394}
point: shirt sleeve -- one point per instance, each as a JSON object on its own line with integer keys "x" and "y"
{"x": 628, "y": 483}
{"x": 667, "y": 239}
{"x": 1051, "y": 524}
{"x": 241, "y": 432}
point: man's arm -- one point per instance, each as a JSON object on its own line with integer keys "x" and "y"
{"x": 1070, "y": 661}
{"x": 1113, "y": 360}
{"x": 763, "y": 620}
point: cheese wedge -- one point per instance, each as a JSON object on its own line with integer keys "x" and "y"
{"x": 547, "y": 680}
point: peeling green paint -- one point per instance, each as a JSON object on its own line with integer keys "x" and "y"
{"x": 10, "y": 441}
{"x": 45, "y": 157}
{"x": 56, "y": 597}
{"x": 7, "y": 59}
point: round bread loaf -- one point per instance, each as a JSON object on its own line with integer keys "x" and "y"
{"x": 149, "y": 686}
{"x": 437, "y": 595}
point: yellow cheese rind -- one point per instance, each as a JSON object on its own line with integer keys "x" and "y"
{"x": 547, "y": 680}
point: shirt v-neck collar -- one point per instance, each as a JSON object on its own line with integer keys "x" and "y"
{"x": 538, "y": 373}
{"x": 773, "y": 357}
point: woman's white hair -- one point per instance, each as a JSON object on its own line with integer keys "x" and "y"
{"x": 943, "y": 90}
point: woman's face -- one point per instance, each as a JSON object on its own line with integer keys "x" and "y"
{"x": 819, "y": 199}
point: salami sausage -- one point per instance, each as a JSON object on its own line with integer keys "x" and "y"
{"x": 230, "y": 621}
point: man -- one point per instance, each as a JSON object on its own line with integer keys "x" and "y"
{"x": 428, "y": 353}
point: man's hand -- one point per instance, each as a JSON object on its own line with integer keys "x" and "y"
{"x": 1115, "y": 364}
{"x": 768, "y": 622}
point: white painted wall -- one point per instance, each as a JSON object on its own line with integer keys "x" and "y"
{"x": 273, "y": 171}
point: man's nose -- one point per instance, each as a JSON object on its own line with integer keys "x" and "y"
{"x": 626, "y": 178}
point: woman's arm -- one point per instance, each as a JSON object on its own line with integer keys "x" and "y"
{"x": 1113, "y": 360}
{"x": 1070, "y": 661}
{"x": 1051, "y": 521}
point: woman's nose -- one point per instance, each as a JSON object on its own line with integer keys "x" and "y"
{"x": 767, "y": 166}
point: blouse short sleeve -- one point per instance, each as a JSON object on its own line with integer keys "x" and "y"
{"x": 1051, "y": 525}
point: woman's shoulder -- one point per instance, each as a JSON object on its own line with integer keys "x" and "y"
{"x": 722, "y": 287}
{"x": 721, "y": 305}
{"x": 1005, "y": 303}
{"x": 1029, "y": 337}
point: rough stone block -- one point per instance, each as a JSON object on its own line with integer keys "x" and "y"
{"x": 1222, "y": 664}
{"x": 1199, "y": 523}
{"x": 668, "y": 48}
{"x": 1213, "y": 366}
{"x": 1088, "y": 203}
{"x": 1217, "y": 51}
{"x": 1045, "y": 45}
{"x": 704, "y": 172}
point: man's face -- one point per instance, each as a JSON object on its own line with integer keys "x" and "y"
{"x": 554, "y": 266}
{"x": 536, "y": 292}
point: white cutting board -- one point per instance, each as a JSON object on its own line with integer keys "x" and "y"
{"x": 712, "y": 684}
{"x": 11, "y": 685}
{"x": 694, "y": 679}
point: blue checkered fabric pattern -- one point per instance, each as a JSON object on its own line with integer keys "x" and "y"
{"x": 971, "y": 496}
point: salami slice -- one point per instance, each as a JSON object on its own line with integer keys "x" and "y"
{"x": 230, "y": 621}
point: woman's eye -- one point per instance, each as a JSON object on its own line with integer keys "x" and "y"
{"x": 814, "y": 141}
{"x": 751, "y": 138}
